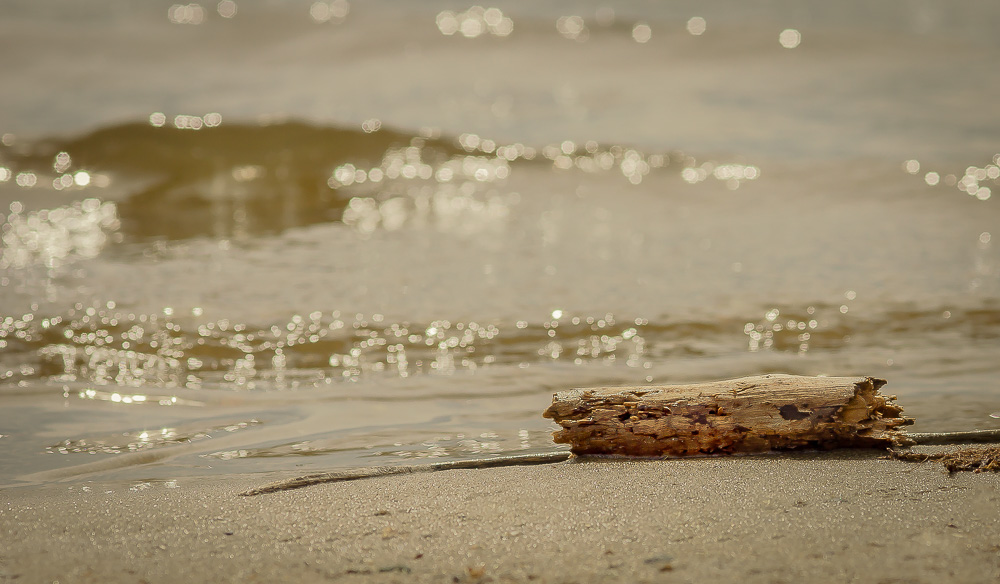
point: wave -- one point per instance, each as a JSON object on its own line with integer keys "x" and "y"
{"x": 216, "y": 181}
{"x": 105, "y": 346}
{"x": 237, "y": 180}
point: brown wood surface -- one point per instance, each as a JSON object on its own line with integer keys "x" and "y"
{"x": 750, "y": 414}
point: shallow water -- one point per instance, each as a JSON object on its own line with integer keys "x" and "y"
{"x": 385, "y": 243}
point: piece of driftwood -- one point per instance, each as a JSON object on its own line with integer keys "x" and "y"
{"x": 750, "y": 414}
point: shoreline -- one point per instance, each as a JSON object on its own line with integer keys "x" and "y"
{"x": 837, "y": 516}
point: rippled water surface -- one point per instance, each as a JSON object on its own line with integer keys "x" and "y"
{"x": 275, "y": 237}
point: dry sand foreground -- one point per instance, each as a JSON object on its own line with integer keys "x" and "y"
{"x": 837, "y": 517}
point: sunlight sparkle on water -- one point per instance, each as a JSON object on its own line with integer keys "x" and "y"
{"x": 335, "y": 11}
{"x": 790, "y": 38}
{"x": 474, "y": 22}
{"x": 186, "y": 14}
{"x": 696, "y": 26}
{"x": 732, "y": 174}
{"x": 185, "y": 121}
{"x": 226, "y": 8}
{"x": 138, "y": 440}
{"x": 55, "y": 237}
{"x": 113, "y": 349}
{"x": 642, "y": 33}
{"x": 771, "y": 333}
{"x": 26, "y": 179}
{"x": 406, "y": 189}
{"x": 62, "y": 162}
{"x": 977, "y": 181}
{"x": 573, "y": 28}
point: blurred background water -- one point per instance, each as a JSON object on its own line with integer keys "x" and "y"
{"x": 287, "y": 236}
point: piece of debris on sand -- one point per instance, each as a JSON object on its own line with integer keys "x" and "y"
{"x": 976, "y": 459}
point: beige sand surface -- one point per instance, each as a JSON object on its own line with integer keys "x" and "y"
{"x": 838, "y": 517}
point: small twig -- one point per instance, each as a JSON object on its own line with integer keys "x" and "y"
{"x": 975, "y": 436}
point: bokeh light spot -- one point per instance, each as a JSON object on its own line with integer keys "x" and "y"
{"x": 186, "y": 14}
{"x": 573, "y": 28}
{"x": 696, "y": 26}
{"x": 226, "y": 8}
{"x": 790, "y": 38}
{"x": 474, "y": 22}
{"x": 641, "y": 32}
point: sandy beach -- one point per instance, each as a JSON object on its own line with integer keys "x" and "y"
{"x": 831, "y": 517}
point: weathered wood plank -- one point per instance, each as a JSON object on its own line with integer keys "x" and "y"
{"x": 750, "y": 414}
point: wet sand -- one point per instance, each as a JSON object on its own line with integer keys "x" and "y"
{"x": 837, "y": 517}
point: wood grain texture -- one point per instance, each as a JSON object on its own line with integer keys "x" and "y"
{"x": 750, "y": 414}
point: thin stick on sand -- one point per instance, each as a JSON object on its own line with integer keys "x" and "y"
{"x": 381, "y": 471}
